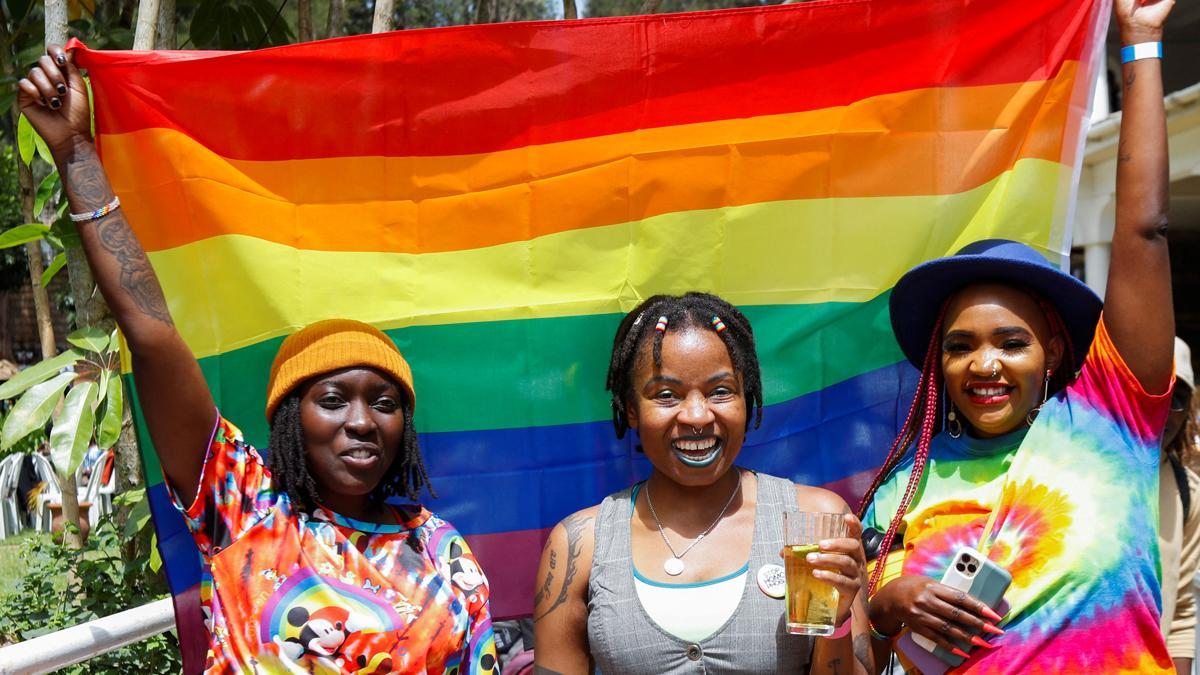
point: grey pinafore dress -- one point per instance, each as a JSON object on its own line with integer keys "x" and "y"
{"x": 625, "y": 641}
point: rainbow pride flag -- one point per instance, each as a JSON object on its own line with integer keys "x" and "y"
{"x": 496, "y": 196}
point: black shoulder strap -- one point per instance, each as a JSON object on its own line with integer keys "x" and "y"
{"x": 1181, "y": 481}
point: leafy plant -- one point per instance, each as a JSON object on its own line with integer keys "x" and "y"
{"x": 45, "y": 599}
{"x": 86, "y": 404}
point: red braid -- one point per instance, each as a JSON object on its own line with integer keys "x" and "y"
{"x": 924, "y": 408}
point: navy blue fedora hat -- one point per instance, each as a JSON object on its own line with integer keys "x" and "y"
{"x": 920, "y": 293}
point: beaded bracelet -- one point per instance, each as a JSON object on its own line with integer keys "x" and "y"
{"x": 880, "y": 636}
{"x": 98, "y": 213}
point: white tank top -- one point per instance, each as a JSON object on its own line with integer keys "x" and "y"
{"x": 695, "y": 611}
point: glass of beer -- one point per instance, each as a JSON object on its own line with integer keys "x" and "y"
{"x": 811, "y": 603}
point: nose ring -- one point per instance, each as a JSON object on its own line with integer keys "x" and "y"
{"x": 995, "y": 367}
{"x": 697, "y": 430}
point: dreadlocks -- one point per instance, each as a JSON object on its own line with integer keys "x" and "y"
{"x": 924, "y": 421}
{"x": 286, "y": 461}
{"x": 691, "y": 310}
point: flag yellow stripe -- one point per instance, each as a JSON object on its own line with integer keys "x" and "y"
{"x": 231, "y": 291}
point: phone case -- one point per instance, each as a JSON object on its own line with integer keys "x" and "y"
{"x": 980, "y": 578}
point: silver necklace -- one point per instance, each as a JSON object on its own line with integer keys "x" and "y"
{"x": 674, "y": 565}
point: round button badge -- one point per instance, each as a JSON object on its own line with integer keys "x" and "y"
{"x": 772, "y": 581}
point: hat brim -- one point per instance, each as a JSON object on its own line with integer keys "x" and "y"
{"x": 918, "y": 297}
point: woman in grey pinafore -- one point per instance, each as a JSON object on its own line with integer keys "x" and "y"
{"x": 682, "y": 573}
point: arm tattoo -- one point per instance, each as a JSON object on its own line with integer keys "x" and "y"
{"x": 862, "y": 650}
{"x": 545, "y": 589}
{"x": 833, "y": 665}
{"x": 575, "y": 527}
{"x": 89, "y": 186}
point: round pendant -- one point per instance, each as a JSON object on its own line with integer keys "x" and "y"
{"x": 673, "y": 566}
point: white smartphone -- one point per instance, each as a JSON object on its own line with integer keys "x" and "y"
{"x": 971, "y": 572}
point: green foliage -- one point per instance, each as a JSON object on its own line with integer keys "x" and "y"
{"x": 631, "y": 7}
{"x": 239, "y": 24}
{"x": 86, "y": 404}
{"x": 45, "y": 598}
{"x": 34, "y": 408}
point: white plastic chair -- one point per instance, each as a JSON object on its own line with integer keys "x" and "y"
{"x": 93, "y": 492}
{"x": 107, "y": 489}
{"x": 50, "y": 493}
{"x": 10, "y": 510}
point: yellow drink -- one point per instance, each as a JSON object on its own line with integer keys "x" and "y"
{"x": 811, "y": 603}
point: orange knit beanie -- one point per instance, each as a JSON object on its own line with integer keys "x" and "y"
{"x": 330, "y": 345}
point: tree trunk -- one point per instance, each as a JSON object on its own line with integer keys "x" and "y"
{"x": 6, "y": 347}
{"x": 384, "y": 12}
{"x": 336, "y": 20}
{"x": 569, "y": 11}
{"x": 164, "y": 32}
{"x": 304, "y": 24}
{"x": 56, "y": 33}
{"x": 650, "y": 6}
{"x": 147, "y": 21}
{"x": 485, "y": 11}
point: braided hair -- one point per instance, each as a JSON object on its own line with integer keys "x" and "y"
{"x": 286, "y": 457}
{"x": 690, "y": 310}
{"x": 924, "y": 421}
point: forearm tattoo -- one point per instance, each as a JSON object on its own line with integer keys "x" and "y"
{"x": 575, "y": 526}
{"x": 88, "y": 186}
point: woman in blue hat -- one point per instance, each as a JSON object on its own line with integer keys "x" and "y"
{"x": 1036, "y": 428}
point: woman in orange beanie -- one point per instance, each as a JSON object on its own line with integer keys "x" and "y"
{"x": 308, "y": 568}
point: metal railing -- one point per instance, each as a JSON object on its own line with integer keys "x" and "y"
{"x": 80, "y": 643}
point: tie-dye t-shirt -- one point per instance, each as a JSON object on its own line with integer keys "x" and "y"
{"x": 1076, "y": 502}
{"x": 286, "y": 592}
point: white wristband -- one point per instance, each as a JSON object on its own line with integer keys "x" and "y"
{"x": 1142, "y": 50}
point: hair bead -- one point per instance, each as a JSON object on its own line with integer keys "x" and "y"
{"x": 661, "y": 326}
{"x": 718, "y": 324}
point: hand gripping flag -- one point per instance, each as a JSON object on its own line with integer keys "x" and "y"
{"x": 496, "y": 196}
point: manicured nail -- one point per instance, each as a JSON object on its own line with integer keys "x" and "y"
{"x": 55, "y": 103}
{"x": 62, "y": 88}
{"x": 989, "y": 613}
{"x": 992, "y": 629}
{"x": 960, "y": 653}
{"x": 825, "y": 543}
{"x": 62, "y": 59}
{"x": 980, "y": 642}
{"x": 811, "y": 557}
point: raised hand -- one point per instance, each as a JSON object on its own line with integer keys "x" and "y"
{"x": 1141, "y": 20}
{"x": 54, "y": 98}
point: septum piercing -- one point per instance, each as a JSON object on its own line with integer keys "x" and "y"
{"x": 696, "y": 430}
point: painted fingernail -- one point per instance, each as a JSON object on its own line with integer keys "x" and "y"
{"x": 812, "y": 557}
{"x": 825, "y": 543}
{"x": 992, "y": 629}
{"x": 62, "y": 88}
{"x": 62, "y": 59}
{"x": 55, "y": 103}
{"x": 980, "y": 642}
{"x": 960, "y": 653}
{"x": 991, "y": 614}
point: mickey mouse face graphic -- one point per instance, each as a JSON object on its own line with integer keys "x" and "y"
{"x": 464, "y": 572}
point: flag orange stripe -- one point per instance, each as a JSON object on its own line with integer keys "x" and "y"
{"x": 925, "y": 142}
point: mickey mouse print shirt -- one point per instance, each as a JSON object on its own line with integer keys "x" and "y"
{"x": 287, "y": 592}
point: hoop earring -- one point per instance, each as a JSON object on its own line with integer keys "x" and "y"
{"x": 953, "y": 424}
{"x": 1032, "y": 414}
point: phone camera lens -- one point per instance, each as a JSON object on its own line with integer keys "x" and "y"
{"x": 972, "y": 568}
{"x": 960, "y": 567}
